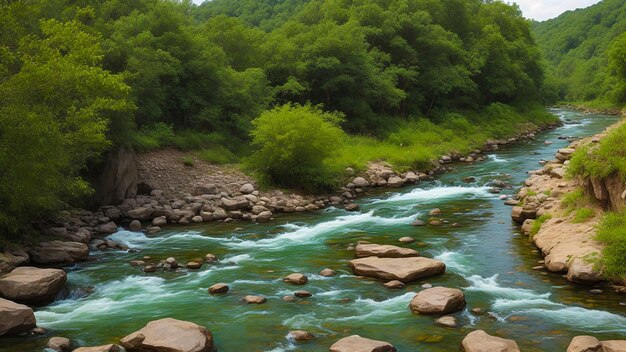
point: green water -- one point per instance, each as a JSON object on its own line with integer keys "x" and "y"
{"x": 486, "y": 256}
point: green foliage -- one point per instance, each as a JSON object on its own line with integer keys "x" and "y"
{"x": 188, "y": 161}
{"x": 578, "y": 46}
{"x": 538, "y": 223}
{"x": 293, "y": 144}
{"x": 612, "y": 234}
{"x": 603, "y": 160}
{"x": 54, "y": 117}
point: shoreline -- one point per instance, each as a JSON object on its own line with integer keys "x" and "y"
{"x": 560, "y": 221}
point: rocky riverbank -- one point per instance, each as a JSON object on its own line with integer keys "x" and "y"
{"x": 563, "y": 231}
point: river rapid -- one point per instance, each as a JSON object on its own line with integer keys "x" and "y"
{"x": 486, "y": 256}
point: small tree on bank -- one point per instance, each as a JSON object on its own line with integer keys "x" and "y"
{"x": 293, "y": 143}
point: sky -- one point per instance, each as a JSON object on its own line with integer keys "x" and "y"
{"x": 545, "y": 9}
{"x": 539, "y": 9}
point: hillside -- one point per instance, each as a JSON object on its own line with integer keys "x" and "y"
{"x": 577, "y": 47}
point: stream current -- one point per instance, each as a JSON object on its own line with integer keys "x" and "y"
{"x": 486, "y": 256}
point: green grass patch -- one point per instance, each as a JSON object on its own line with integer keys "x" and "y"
{"x": 602, "y": 160}
{"x": 583, "y": 214}
{"x": 612, "y": 234}
{"x": 538, "y": 223}
{"x": 574, "y": 200}
{"x": 217, "y": 155}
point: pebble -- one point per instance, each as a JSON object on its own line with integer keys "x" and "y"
{"x": 406, "y": 240}
{"x": 595, "y": 291}
{"x": 427, "y": 286}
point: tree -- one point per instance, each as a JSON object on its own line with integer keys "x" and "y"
{"x": 54, "y": 117}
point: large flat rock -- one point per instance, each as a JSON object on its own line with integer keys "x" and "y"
{"x": 16, "y": 318}
{"x": 29, "y": 284}
{"x": 170, "y": 335}
{"x": 356, "y": 343}
{"x": 480, "y": 341}
{"x": 402, "y": 269}
{"x": 383, "y": 251}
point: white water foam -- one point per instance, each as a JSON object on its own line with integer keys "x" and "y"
{"x": 453, "y": 260}
{"x": 443, "y": 192}
{"x": 109, "y": 300}
{"x": 375, "y": 310}
{"x": 496, "y": 159}
{"x": 311, "y": 234}
{"x": 140, "y": 240}
{"x": 518, "y": 301}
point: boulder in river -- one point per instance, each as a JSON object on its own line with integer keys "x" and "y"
{"x": 585, "y": 344}
{"x": 438, "y": 300}
{"x": 59, "y": 252}
{"x": 296, "y": 279}
{"x": 447, "y": 321}
{"x": 29, "y": 284}
{"x": 103, "y": 348}
{"x": 402, "y": 269}
{"x": 168, "y": 335}
{"x": 218, "y": 289}
{"x": 60, "y": 344}
{"x": 383, "y": 251}
{"x": 356, "y": 343}
{"x": 16, "y": 318}
{"x": 301, "y": 335}
{"x": 328, "y": 272}
{"x": 250, "y": 299}
{"x": 480, "y": 341}
{"x": 394, "y": 284}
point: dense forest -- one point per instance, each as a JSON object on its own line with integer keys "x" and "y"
{"x": 585, "y": 52}
{"x": 398, "y": 80}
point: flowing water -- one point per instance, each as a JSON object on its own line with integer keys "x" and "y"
{"x": 486, "y": 256}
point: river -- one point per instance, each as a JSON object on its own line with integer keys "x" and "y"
{"x": 486, "y": 256}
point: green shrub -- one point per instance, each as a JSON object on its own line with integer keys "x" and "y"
{"x": 612, "y": 234}
{"x": 188, "y": 161}
{"x": 217, "y": 155}
{"x": 293, "y": 144}
{"x": 538, "y": 223}
{"x": 605, "y": 159}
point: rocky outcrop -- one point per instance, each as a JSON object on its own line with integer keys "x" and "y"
{"x": 170, "y": 335}
{"x": 59, "y": 252}
{"x": 16, "y": 318}
{"x": 438, "y": 300}
{"x": 356, "y": 343}
{"x": 11, "y": 259}
{"x": 32, "y": 285}
{"x": 118, "y": 177}
{"x": 402, "y": 269}
{"x": 480, "y": 341}
{"x": 614, "y": 346}
{"x": 565, "y": 242}
{"x": 585, "y": 344}
{"x": 383, "y": 251}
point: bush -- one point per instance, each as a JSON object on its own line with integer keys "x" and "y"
{"x": 583, "y": 214}
{"x": 293, "y": 144}
{"x": 188, "y": 161}
{"x": 612, "y": 233}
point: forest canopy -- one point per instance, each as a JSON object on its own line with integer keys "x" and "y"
{"x": 81, "y": 77}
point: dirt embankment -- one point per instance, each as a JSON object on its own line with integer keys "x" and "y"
{"x": 561, "y": 214}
